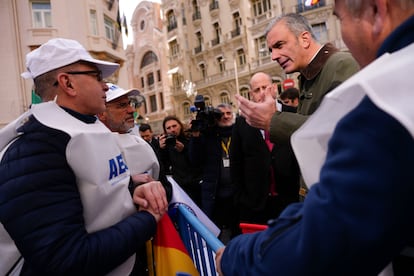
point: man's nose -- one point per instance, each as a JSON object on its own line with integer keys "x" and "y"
{"x": 275, "y": 55}
{"x": 130, "y": 109}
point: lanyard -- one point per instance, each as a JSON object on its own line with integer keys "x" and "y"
{"x": 226, "y": 147}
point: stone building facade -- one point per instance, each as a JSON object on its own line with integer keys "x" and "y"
{"x": 210, "y": 48}
{"x": 26, "y": 24}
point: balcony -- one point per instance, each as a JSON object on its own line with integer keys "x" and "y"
{"x": 214, "y": 5}
{"x": 172, "y": 26}
{"x": 198, "y": 49}
{"x": 234, "y": 3}
{"x": 215, "y": 41}
{"x": 235, "y": 32}
{"x": 197, "y": 18}
{"x": 262, "y": 17}
{"x": 196, "y": 15}
{"x": 214, "y": 8}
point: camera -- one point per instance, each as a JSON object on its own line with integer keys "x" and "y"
{"x": 170, "y": 140}
{"x": 207, "y": 116}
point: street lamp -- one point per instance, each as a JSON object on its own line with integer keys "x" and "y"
{"x": 189, "y": 88}
{"x": 236, "y": 76}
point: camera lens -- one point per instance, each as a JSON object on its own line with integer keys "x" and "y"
{"x": 170, "y": 140}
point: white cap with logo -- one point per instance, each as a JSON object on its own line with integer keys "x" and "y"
{"x": 59, "y": 52}
{"x": 114, "y": 92}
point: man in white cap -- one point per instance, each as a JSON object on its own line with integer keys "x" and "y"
{"x": 65, "y": 204}
{"x": 119, "y": 118}
{"x": 136, "y": 152}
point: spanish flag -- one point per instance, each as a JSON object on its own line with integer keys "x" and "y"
{"x": 169, "y": 253}
{"x": 310, "y": 3}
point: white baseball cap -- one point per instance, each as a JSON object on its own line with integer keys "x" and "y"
{"x": 59, "y": 52}
{"x": 115, "y": 92}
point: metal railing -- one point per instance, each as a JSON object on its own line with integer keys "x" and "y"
{"x": 199, "y": 241}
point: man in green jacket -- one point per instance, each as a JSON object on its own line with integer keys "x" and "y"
{"x": 293, "y": 45}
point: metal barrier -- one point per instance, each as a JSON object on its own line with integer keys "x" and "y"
{"x": 199, "y": 241}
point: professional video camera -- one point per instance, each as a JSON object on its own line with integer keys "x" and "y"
{"x": 206, "y": 117}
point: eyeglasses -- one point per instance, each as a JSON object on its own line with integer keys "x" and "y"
{"x": 95, "y": 73}
{"x": 125, "y": 105}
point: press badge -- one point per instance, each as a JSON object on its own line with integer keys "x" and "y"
{"x": 226, "y": 162}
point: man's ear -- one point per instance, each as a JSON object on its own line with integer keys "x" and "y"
{"x": 379, "y": 10}
{"x": 65, "y": 84}
{"x": 102, "y": 116}
{"x": 305, "y": 39}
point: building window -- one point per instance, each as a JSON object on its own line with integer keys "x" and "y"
{"x": 261, "y": 45}
{"x": 172, "y": 22}
{"x": 159, "y": 75}
{"x": 177, "y": 79}
{"x": 149, "y": 58}
{"x": 261, "y": 6}
{"x": 153, "y": 103}
{"x": 186, "y": 108}
{"x": 174, "y": 48}
{"x": 214, "y": 5}
{"x": 203, "y": 70}
{"x": 183, "y": 14}
{"x": 199, "y": 42}
{"x": 42, "y": 14}
{"x": 142, "y": 82}
{"x": 145, "y": 107}
{"x": 224, "y": 98}
{"x": 244, "y": 92}
{"x": 320, "y": 32}
{"x": 207, "y": 100}
{"x": 217, "y": 34}
{"x": 222, "y": 65}
{"x": 150, "y": 79}
{"x": 109, "y": 29}
{"x": 196, "y": 9}
{"x": 94, "y": 22}
{"x": 237, "y": 21}
{"x": 241, "y": 57}
{"x": 162, "y": 100}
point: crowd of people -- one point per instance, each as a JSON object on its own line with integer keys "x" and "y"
{"x": 324, "y": 165}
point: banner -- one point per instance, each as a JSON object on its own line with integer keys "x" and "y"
{"x": 181, "y": 197}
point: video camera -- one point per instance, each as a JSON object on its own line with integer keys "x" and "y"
{"x": 206, "y": 117}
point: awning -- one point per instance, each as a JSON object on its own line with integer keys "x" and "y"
{"x": 173, "y": 70}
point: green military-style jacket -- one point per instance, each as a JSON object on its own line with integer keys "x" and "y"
{"x": 328, "y": 69}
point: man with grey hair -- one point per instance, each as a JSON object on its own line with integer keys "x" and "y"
{"x": 356, "y": 154}
{"x": 293, "y": 46}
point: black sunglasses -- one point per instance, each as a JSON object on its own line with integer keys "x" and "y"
{"x": 96, "y": 73}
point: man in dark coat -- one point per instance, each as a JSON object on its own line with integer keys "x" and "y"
{"x": 267, "y": 179}
{"x": 210, "y": 149}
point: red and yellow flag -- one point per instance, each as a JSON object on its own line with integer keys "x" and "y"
{"x": 310, "y": 3}
{"x": 170, "y": 254}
